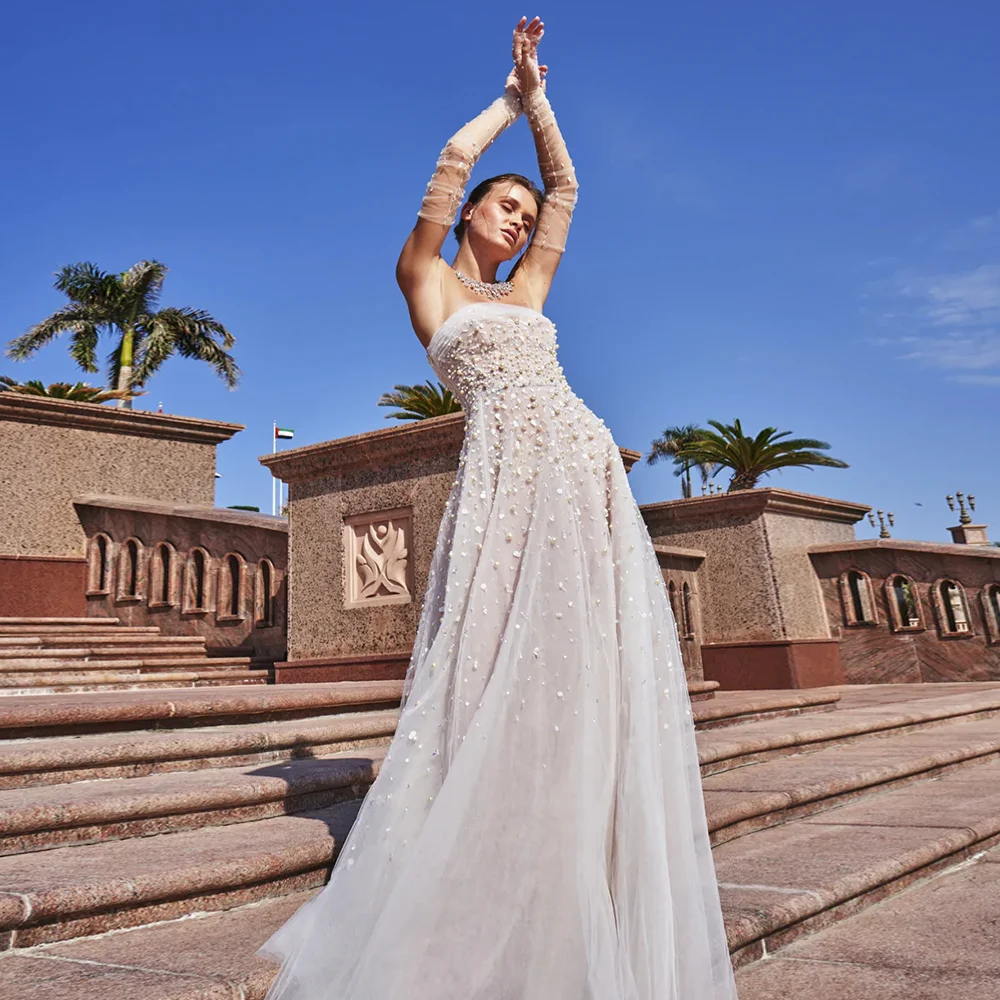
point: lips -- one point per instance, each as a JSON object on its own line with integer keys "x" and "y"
{"x": 511, "y": 235}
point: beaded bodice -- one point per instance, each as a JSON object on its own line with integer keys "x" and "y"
{"x": 491, "y": 346}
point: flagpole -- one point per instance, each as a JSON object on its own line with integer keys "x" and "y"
{"x": 274, "y": 448}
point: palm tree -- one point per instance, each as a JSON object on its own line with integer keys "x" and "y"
{"x": 753, "y": 457}
{"x": 418, "y": 402}
{"x": 669, "y": 445}
{"x": 125, "y": 306}
{"x": 77, "y": 392}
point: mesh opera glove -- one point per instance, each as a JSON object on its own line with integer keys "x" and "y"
{"x": 446, "y": 188}
{"x": 557, "y": 173}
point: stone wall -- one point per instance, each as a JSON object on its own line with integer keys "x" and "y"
{"x": 190, "y": 570}
{"x": 364, "y": 513}
{"x": 55, "y": 450}
{"x": 895, "y": 639}
{"x": 762, "y": 609}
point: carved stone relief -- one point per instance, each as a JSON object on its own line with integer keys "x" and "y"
{"x": 376, "y": 564}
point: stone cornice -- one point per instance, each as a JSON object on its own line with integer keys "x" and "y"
{"x": 112, "y": 419}
{"x": 757, "y": 501}
{"x": 199, "y": 512}
{"x": 907, "y": 545}
{"x": 674, "y": 552}
{"x": 379, "y": 449}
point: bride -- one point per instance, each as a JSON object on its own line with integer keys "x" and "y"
{"x": 537, "y": 829}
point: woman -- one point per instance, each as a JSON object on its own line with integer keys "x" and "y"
{"x": 537, "y": 830}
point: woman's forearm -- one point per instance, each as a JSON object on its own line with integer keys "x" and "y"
{"x": 557, "y": 172}
{"x": 446, "y": 188}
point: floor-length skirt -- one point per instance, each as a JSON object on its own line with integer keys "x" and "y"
{"x": 537, "y": 829}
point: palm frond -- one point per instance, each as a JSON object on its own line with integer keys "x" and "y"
{"x": 192, "y": 333}
{"x": 86, "y": 284}
{"x": 418, "y": 402}
{"x": 142, "y": 284}
{"x": 750, "y": 458}
{"x": 74, "y": 319}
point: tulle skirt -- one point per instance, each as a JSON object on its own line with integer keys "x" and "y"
{"x": 537, "y": 829}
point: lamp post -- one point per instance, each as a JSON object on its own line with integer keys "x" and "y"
{"x": 965, "y": 532}
{"x": 884, "y": 531}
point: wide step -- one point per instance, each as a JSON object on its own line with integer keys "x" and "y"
{"x": 83, "y": 890}
{"x": 210, "y": 956}
{"x": 26, "y": 763}
{"x": 48, "y": 816}
{"x": 101, "y": 711}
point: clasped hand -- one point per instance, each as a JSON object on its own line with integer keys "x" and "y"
{"x": 527, "y": 75}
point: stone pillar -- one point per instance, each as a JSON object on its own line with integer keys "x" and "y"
{"x": 969, "y": 534}
{"x": 52, "y": 451}
{"x": 762, "y": 609}
{"x": 363, "y": 516}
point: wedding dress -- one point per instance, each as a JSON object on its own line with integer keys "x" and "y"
{"x": 537, "y": 829}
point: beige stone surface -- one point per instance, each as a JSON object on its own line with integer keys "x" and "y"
{"x": 784, "y": 979}
{"x": 756, "y": 582}
{"x": 53, "y": 450}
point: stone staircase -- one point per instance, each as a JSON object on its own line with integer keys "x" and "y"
{"x": 150, "y": 840}
{"x": 73, "y": 655}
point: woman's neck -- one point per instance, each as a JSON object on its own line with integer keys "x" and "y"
{"x": 466, "y": 262}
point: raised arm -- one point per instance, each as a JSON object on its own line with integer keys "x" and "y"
{"x": 549, "y": 240}
{"x": 446, "y": 190}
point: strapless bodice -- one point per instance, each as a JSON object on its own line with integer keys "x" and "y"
{"x": 491, "y": 346}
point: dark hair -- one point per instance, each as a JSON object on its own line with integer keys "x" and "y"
{"x": 481, "y": 190}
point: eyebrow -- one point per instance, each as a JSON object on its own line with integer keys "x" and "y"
{"x": 516, "y": 201}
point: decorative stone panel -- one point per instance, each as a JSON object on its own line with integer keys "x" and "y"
{"x": 377, "y": 567}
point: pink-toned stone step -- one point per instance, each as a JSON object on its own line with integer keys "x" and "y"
{"x": 206, "y": 662}
{"x": 46, "y": 816}
{"x": 733, "y": 708}
{"x": 210, "y": 956}
{"x": 19, "y": 620}
{"x": 77, "y": 891}
{"x": 25, "y": 763}
{"x": 780, "y": 884}
{"x": 935, "y": 941}
{"x": 754, "y": 741}
{"x": 48, "y": 631}
{"x": 702, "y": 690}
{"x": 161, "y": 647}
{"x": 767, "y": 794}
{"x": 84, "y": 681}
{"x": 103, "y": 711}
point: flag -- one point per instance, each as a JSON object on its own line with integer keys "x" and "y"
{"x": 283, "y": 432}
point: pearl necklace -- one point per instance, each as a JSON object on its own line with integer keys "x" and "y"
{"x": 491, "y": 289}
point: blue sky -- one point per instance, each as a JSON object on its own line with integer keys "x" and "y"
{"x": 788, "y": 213}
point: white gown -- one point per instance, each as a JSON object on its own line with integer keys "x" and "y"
{"x": 537, "y": 831}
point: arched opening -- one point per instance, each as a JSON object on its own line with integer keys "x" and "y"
{"x": 954, "y": 607}
{"x": 102, "y": 563}
{"x": 991, "y": 606}
{"x": 196, "y": 581}
{"x": 130, "y": 571}
{"x": 858, "y": 599}
{"x": 672, "y": 594}
{"x": 198, "y": 558}
{"x": 907, "y": 608}
{"x": 235, "y": 584}
{"x": 99, "y": 565}
{"x": 686, "y": 610}
{"x": 162, "y": 570}
{"x": 264, "y": 604}
{"x": 230, "y": 596}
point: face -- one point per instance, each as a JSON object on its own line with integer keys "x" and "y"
{"x": 501, "y": 223}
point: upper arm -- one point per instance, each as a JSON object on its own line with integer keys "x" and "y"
{"x": 544, "y": 252}
{"x": 418, "y": 259}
